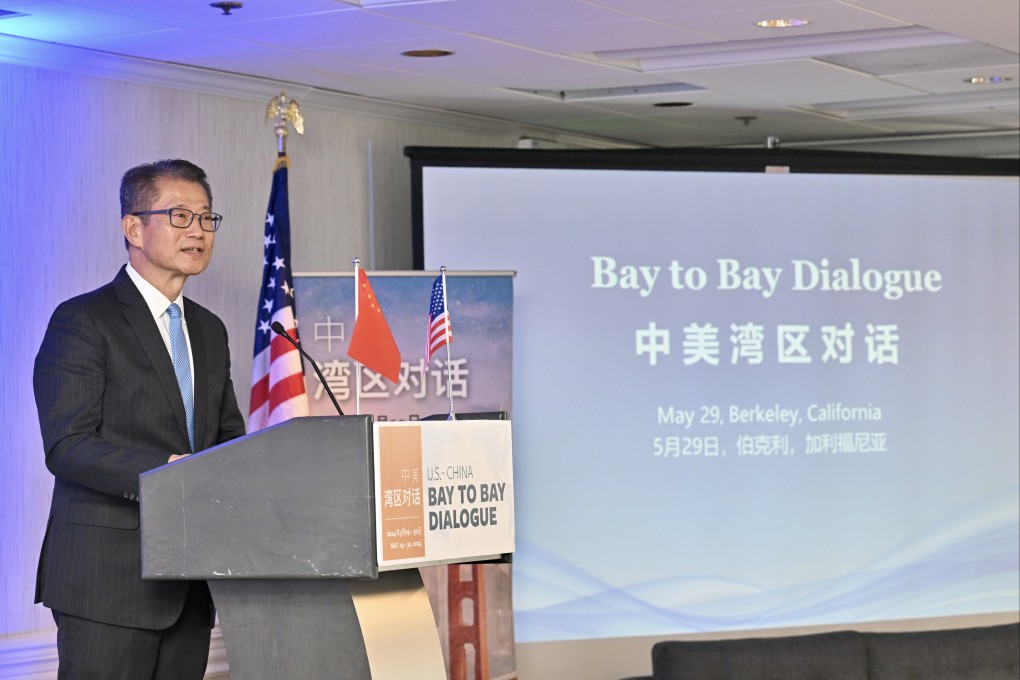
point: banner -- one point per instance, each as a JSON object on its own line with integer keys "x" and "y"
{"x": 479, "y": 374}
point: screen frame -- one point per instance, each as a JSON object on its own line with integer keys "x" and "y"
{"x": 693, "y": 160}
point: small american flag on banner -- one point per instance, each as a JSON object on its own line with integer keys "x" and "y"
{"x": 277, "y": 377}
{"x": 440, "y": 332}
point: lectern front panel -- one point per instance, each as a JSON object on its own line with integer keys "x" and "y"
{"x": 292, "y": 501}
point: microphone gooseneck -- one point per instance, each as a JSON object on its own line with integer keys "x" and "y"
{"x": 280, "y": 330}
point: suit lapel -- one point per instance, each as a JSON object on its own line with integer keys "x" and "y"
{"x": 139, "y": 318}
{"x": 196, "y": 335}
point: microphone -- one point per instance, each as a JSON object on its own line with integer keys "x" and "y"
{"x": 280, "y": 330}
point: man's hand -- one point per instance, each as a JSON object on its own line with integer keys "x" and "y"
{"x": 178, "y": 456}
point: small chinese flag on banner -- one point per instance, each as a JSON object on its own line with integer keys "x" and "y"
{"x": 372, "y": 343}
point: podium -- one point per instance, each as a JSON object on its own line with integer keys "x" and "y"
{"x": 288, "y": 526}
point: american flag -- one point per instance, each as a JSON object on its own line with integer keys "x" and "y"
{"x": 440, "y": 332}
{"x": 277, "y": 376}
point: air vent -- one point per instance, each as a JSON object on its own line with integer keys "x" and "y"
{"x": 610, "y": 92}
{"x": 385, "y": 3}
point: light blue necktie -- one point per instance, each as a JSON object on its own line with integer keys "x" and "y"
{"x": 182, "y": 367}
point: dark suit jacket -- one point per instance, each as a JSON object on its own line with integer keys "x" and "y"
{"x": 109, "y": 409}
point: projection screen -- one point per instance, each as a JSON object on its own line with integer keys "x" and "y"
{"x": 747, "y": 399}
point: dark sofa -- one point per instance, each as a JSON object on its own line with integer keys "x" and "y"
{"x": 980, "y": 653}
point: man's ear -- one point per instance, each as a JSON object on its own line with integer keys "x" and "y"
{"x": 131, "y": 225}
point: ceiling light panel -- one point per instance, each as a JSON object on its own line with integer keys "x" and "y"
{"x": 780, "y": 24}
{"x": 988, "y": 80}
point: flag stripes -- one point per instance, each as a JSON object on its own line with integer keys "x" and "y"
{"x": 278, "y": 385}
{"x": 440, "y": 332}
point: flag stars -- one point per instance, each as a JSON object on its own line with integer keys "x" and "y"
{"x": 268, "y": 305}
{"x": 270, "y": 218}
{"x": 287, "y": 289}
{"x": 264, "y": 326}
{"x": 270, "y": 240}
{"x": 278, "y": 263}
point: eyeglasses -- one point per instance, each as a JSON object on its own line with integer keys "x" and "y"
{"x": 182, "y": 218}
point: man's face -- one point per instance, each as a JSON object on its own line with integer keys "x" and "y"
{"x": 167, "y": 253}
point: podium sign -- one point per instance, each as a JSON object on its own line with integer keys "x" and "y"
{"x": 444, "y": 492}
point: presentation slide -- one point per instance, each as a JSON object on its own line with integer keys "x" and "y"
{"x": 751, "y": 400}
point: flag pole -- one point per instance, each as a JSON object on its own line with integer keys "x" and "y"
{"x": 449, "y": 371}
{"x": 357, "y": 364}
{"x": 275, "y": 397}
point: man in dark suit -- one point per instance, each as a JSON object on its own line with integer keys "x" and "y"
{"x": 120, "y": 390}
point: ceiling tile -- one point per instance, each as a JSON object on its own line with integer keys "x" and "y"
{"x": 672, "y": 8}
{"x": 615, "y": 35}
{"x": 507, "y": 66}
{"x": 795, "y": 83}
{"x": 971, "y": 122}
{"x": 21, "y": 5}
{"x": 993, "y": 22}
{"x": 57, "y": 22}
{"x": 942, "y": 82}
{"x": 482, "y": 16}
{"x": 200, "y": 13}
{"x": 923, "y": 59}
{"x": 824, "y": 18}
{"x": 347, "y": 28}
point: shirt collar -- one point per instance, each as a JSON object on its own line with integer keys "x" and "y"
{"x": 156, "y": 301}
